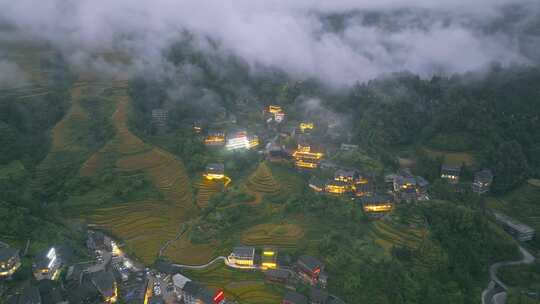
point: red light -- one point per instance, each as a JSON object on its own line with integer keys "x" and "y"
{"x": 316, "y": 271}
{"x": 220, "y": 296}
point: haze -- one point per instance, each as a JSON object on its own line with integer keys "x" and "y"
{"x": 339, "y": 42}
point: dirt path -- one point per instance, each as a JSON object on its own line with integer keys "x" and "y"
{"x": 496, "y": 290}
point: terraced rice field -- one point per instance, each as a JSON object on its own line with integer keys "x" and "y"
{"x": 185, "y": 252}
{"x": 453, "y": 158}
{"x": 281, "y": 235}
{"x": 65, "y": 150}
{"x": 144, "y": 226}
{"x": 388, "y": 234}
{"x": 246, "y": 287}
{"x": 207, "y": 189}
{"x": 262, "y": 181}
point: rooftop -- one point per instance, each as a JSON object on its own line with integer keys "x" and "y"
{"x": 377, "y": 198}
{"x": 451, "y": 168}
{"x": 180, "y": 280}
{"x": 7, "y": 253}
{"x": 243, "y": 251}
{"x": 310, "y": 262}
{"x": 294, "y": 297}
{"x": 484, "y": 175}
{"x": 104, "y": 282}
{"x": 198, "y": 291}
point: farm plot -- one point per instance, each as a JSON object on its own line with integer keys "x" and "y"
{"x": 263, "y": 181}
{"x": 280, "y": 235}
{"x": 243, "y": 286}
{"x": 144, "y": 227}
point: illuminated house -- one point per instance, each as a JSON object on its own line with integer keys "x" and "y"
{"x": 348, "y": 176}
{"x": 409, "y": 188}
{"x": 9, "y": 262}
{"x": 194, "y": 293}
{"x": 377, "y": 204}
{"x": 47, "y": 265}
{"x": 310, "y": 270}
{"x": 482, "y": 181}
{"x": 105, "y": 284}
{"x": 214, "y": 171}
{"x": 269, "y": 258}
{"x": 242, "y": 256}
{"x": 451, "y": 173}
{"x": 274, "y": 109}
{"x": 306, "y": 127}
{"x": 215, "y": 138}
{"x": 277, "y": 112}
{"x": 363, "y": 188}
{"x": 241, "y": 140}
{"x": 337, "y": 187}
{"x": 306, "y": 156}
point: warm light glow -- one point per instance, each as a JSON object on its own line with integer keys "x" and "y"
{"x": 336, "y": 189}
{"x": 115, "y": 249}
{"x": 268, "y": 253}
{"x": 269, "y": 265}
{"x": 212, "y": 176}
{"x": 215, "y": 140}
{"x": 306, "y": 126}
{"x": 378, "y": 208}
{"x": 307, "y": 155}
{"x": 274, "y": 109}
{"x": 303, "y": 164}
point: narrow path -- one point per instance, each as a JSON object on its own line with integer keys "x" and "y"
{"x": 493, "y": 293}
{"x": 181, "y": 231}
{"x": 222, "y": 258}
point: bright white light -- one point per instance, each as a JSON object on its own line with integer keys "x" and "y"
{"x": 51, "y": 253}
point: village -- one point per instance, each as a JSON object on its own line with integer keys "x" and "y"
{"x": 111, "y": 275}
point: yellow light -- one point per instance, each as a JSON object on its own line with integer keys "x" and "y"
{"x": 274, "y": 109}
{"x": 306, "y": 126}
{"x": 378, "y": 208}
{"x": 212, "y": 176}
{"x": 268, "y": 253}
{"x": 269, "y": 265}
{"x": 303, "y": 164}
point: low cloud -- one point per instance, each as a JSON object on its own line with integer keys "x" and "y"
{"x": 339, "y": 42}
{"x": 11, "y": 75}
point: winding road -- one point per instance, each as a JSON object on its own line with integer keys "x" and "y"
{"x": 495, "y": 293}
{"x": 222, "y": 258}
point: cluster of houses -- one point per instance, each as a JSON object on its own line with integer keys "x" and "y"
{"x": 481, "y": 182}
{"x": 407, "y": 187}
{"x": 190, "y": 292}
{"x": 238, "y": 140}
{"x": 307, "y": 270}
